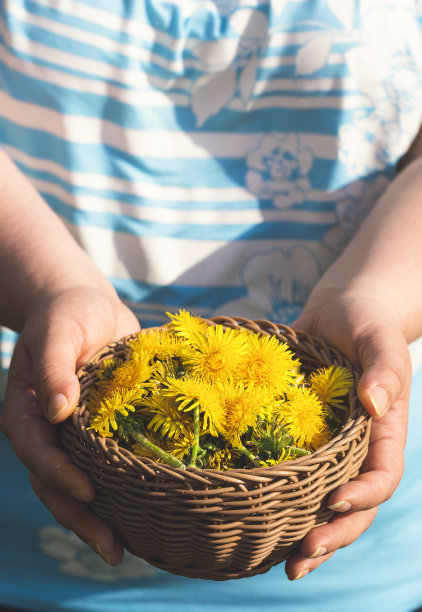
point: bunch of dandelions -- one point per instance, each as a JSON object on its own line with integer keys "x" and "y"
{"x": 194, "y": 394}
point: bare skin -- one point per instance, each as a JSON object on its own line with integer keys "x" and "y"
{"x": 367, "y": 305}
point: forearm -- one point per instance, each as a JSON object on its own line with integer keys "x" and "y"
{"x": 37, "y": 253}
{"x": 384, "y": 259}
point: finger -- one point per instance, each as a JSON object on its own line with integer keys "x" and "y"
{"x": 383, "y": 466}
{"x": 35, "y": 443}
{"x": 385, "y": 361}
{"x": 53, "y": 354}
{"x": 66, "y": 342}
{"x": 35, "y": 439}
{"x": 298, "y": 566}
{"x": 77, "y": 517}
{"x": 322, "y": 542}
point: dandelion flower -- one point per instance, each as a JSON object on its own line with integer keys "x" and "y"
{"x": 216, "y": 356}
{"x": 243, "y": 406}
{"x": 94, "y": 399}
{"x": 189, "y": 394}
{"x": 222, "y": 459}
{"x": 187, "y": 325}
{"x": 286, "y": 454}
{"x": 320, "y": 439}
{"x": 331, "y": 384}
{"x": 106, "y": 368}
{"x": 181, "y": 447}
{"x": 159, "y": 344}
{"x": 135, "y": 373}
{"x": 302, "y": 415}
{"x": 269, "y": 363}
{"x": 121, "y": 402}
{"x": 168, "y": 419}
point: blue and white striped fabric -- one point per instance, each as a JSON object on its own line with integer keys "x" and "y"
{"x": 215, "y": 155}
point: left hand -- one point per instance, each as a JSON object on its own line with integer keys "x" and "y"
{"x": 366, "y": 332}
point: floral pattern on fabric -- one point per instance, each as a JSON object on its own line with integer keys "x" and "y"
{"x": 278, "y": 168}
{"x": 76, "y": 558}
{"x": 277, "y": 282}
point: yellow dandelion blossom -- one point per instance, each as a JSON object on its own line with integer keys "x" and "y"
{"x": 167, "y": 418}
{"x": 104, "y": 375}
{"x": 159, "y": 344}
{"x": 320, "y": 439}
{"x": 268, "y": 463}
{"x": 181, "y": 447}
{"x": 331, "y": 384}
{"x": 121, "y": 402}
{"x": 93, "y": 400}
{"x": 189, "y": 394}
{"x": 222, "y": 459}
{"x": 136, "y": 372}
{"x": 186, "y": 324}
{"x": 302, "y": 415}
{"x": 286, "y": 454}
{"x": 269, "y": 363}
{"x": 243, "y": 406}
{"x": 106, "y": 368}
{"x": 217, "y": 355}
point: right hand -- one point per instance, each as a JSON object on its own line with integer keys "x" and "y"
{"x": 60, "y": 334}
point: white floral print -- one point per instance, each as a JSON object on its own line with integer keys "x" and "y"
{"x": 228, "y": 65}
{"x": 277, "y": 282}
{"x": 386, "y": 66}
{"x": 353, "y": 204}
{"x": 76, "y": 558}
{"x": 278, "y": 168}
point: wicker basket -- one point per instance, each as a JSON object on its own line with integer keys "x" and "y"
{"x": 214, "y": 524}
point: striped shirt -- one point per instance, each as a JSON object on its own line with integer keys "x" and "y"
{"x": 215, "y": 155}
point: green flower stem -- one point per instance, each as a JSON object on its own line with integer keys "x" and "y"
{"x": 300, "y": 452}
{"x": 195, "y": 446}
{"x": 248, "y": 454}
{"x": 145, "y": 443}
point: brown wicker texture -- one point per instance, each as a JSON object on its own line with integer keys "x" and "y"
{"x": 212, "y": 524}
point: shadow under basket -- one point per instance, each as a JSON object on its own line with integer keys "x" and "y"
{"x": 211, "y": 524}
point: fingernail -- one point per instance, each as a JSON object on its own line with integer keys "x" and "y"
{"x": 341, "y": 506}
{"x": 320, "y": 552}
{"x": 379, "y": 399}
{"x": 106, "y": 559}
{"x": 57, "y": 405}
{"x": 79, "y": 495}
{"x": 301, "y": 574}
{"x": 97, "y": 548}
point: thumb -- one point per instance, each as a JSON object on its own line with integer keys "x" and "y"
{"x": 54, "y": 358}
{"x": 385, "y": 360}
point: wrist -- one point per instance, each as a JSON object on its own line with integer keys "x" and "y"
{"x": 39, "y": 258}
{"x": 90, "y": 284}
{"x": 366, "y": 296}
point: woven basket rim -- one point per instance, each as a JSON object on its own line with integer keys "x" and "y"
{"x": 284, "y": 468}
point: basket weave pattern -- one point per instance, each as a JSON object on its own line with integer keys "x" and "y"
{"x": 217, "y": 524}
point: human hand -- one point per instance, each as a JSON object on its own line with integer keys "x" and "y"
{"x": 61, "y": 332}
{"x": 366, "y": 332}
